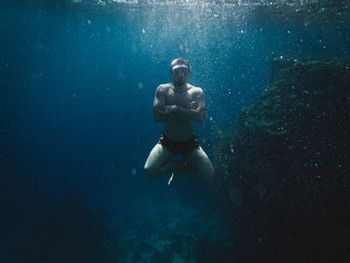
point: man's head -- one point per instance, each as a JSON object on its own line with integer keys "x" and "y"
{"x": 180, "y": 70}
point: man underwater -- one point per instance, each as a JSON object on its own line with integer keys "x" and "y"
{"x": 179, "y": 105}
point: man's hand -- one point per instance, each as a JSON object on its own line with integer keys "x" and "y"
{"x": 189, "y": 114}
{"x": 193, "y": 105}
{"x": 170, "y": 108}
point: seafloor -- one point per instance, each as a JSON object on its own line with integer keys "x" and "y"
{"x": 173, "y": 233}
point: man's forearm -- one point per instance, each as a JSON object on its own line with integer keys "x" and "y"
{"x": 189, "y": 114}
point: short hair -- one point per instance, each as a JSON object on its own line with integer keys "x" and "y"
{"x": 179, "y": 60}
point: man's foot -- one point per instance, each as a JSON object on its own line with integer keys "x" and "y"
{"x": 178, "y": 167}
{"x": 172, "y": 177}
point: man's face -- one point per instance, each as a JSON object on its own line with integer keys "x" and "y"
{"x": 180, "y": 73}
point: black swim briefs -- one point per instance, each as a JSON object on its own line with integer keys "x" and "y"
{"x": 179, "y": 147}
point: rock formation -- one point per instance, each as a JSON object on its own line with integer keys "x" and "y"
{"x": 289, "y": 158}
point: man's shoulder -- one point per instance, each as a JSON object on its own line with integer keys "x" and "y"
{"x": 195, "y": 89}
{"x": 164, "y": 87}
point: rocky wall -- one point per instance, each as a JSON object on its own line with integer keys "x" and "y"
{"x": 289, "y": 159}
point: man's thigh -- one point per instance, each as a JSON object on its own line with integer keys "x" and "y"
{"x": 158, "y": 157}
{"x": 200, "y": 163}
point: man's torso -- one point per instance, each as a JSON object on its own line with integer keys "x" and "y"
{"x": 180, "y": 130}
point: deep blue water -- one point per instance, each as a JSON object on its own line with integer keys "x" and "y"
{"x": 76, "y": 90}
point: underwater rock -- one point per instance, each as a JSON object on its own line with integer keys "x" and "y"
{"x": 289, "y": 157}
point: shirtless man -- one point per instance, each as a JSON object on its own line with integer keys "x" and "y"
{"x": 178, "y": 105}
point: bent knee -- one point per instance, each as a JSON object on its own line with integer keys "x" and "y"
{"x": 208, "y": 175}
{"x": 150, "y": 171}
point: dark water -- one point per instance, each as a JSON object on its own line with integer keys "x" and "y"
{"x": 76, "y": 89}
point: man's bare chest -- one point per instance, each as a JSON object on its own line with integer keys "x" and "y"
{"x": 182, "y": 99}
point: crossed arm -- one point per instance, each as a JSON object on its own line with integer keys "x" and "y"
{"x": 170, "y": 113}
